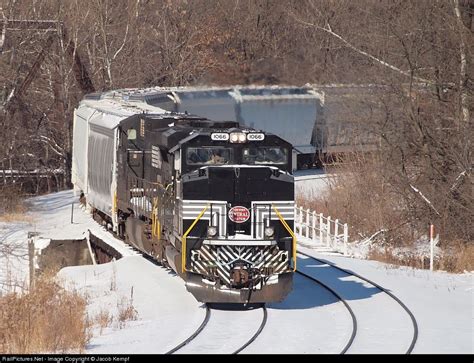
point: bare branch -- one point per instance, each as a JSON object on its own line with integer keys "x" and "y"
{"x": 329, "y": 30}
{"x": 425, "y": 199}
{"x": 458, "y": 181}
{"x": 463, "y": 67}
{"x": 123, "y": 43}
{"x": 52, "y": 144}
{"x": 4, "y": 30}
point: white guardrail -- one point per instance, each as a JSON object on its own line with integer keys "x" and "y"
{"x": 320, "y": 230}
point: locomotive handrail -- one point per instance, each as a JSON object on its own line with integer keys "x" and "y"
{"x": 145, "y": 195}
{"x": 185, "y": 235}
{"x": 287, "y": 227}
{"x": 155, "y": 222}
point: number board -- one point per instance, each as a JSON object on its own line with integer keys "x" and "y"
{"x": 255, "y": 136}
{"x": 219, "y": 136}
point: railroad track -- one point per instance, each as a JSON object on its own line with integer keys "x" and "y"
{"x": 377, "y": 286}
{"x": 333, "y": 292}
{"x": 206, "y": 342}
{"x": 198, "y": 333}
{"x": 257, "y": 333}
{"x": 206, "y": 317}
{"x": 195, "y": 334}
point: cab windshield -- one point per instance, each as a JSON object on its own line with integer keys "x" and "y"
{"x": 265, "y": 155}
{"x": 208, "y": 155}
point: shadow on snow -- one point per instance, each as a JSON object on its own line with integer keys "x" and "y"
{"x": 307, "y": 294}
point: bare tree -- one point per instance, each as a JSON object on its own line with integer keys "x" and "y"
{"x": 415, "y": 57}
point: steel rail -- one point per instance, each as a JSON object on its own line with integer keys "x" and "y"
{"x": 195, "y": 334}
{"x": 412, "y": 317}
{"x": 354, "y": 320}
{"x": 260, "y": 328}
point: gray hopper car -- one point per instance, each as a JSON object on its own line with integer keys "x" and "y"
{"x": 293, "y": 113}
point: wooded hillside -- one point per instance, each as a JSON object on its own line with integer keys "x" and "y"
{"x": 418, "y": 51}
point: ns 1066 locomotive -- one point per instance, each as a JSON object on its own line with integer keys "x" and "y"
{"x": 212, "y": 200}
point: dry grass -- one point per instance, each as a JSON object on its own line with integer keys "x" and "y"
{"x": 16, "y": 213}
{"x": 459, "y": 258}
{"x": 375, "y": 207}
{"x": 103, "y": 319}
{"x": 387, "y": 256}
{"x": 366, "y": 204}
{"x": 126, "y": 312}
{"x": 12, "y": 207}
{"x": 16, "y": 217}
{"x": 47, "y": 319}
{"x": 455, "y": 259}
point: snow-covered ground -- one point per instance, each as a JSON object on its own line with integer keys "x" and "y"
{"x": 310, "y": 320}
{"x": 441, "y": 302}
{"x": 167, "y": 313}
{"x": 49, "y": 217}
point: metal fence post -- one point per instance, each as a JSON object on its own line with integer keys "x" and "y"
{"x": 314, "y": 226}
{"x": 307, "y": 223}
{"x": 72, "y": 212}
{"x": 301, "y": 220}
{"x": 346, "y": 238}
{"x": 336, "y": 230}
{"x": 328, "y": 230}
{"x": 321, "y": 228}
{"x": 296, "y": 217}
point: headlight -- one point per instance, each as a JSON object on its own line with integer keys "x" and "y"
{"x": 238, "y": 137}
{"x": 211, "y": 231}
{"x": 269, "y": 231}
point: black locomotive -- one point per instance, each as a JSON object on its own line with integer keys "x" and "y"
{"x": 212, "y": 200}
